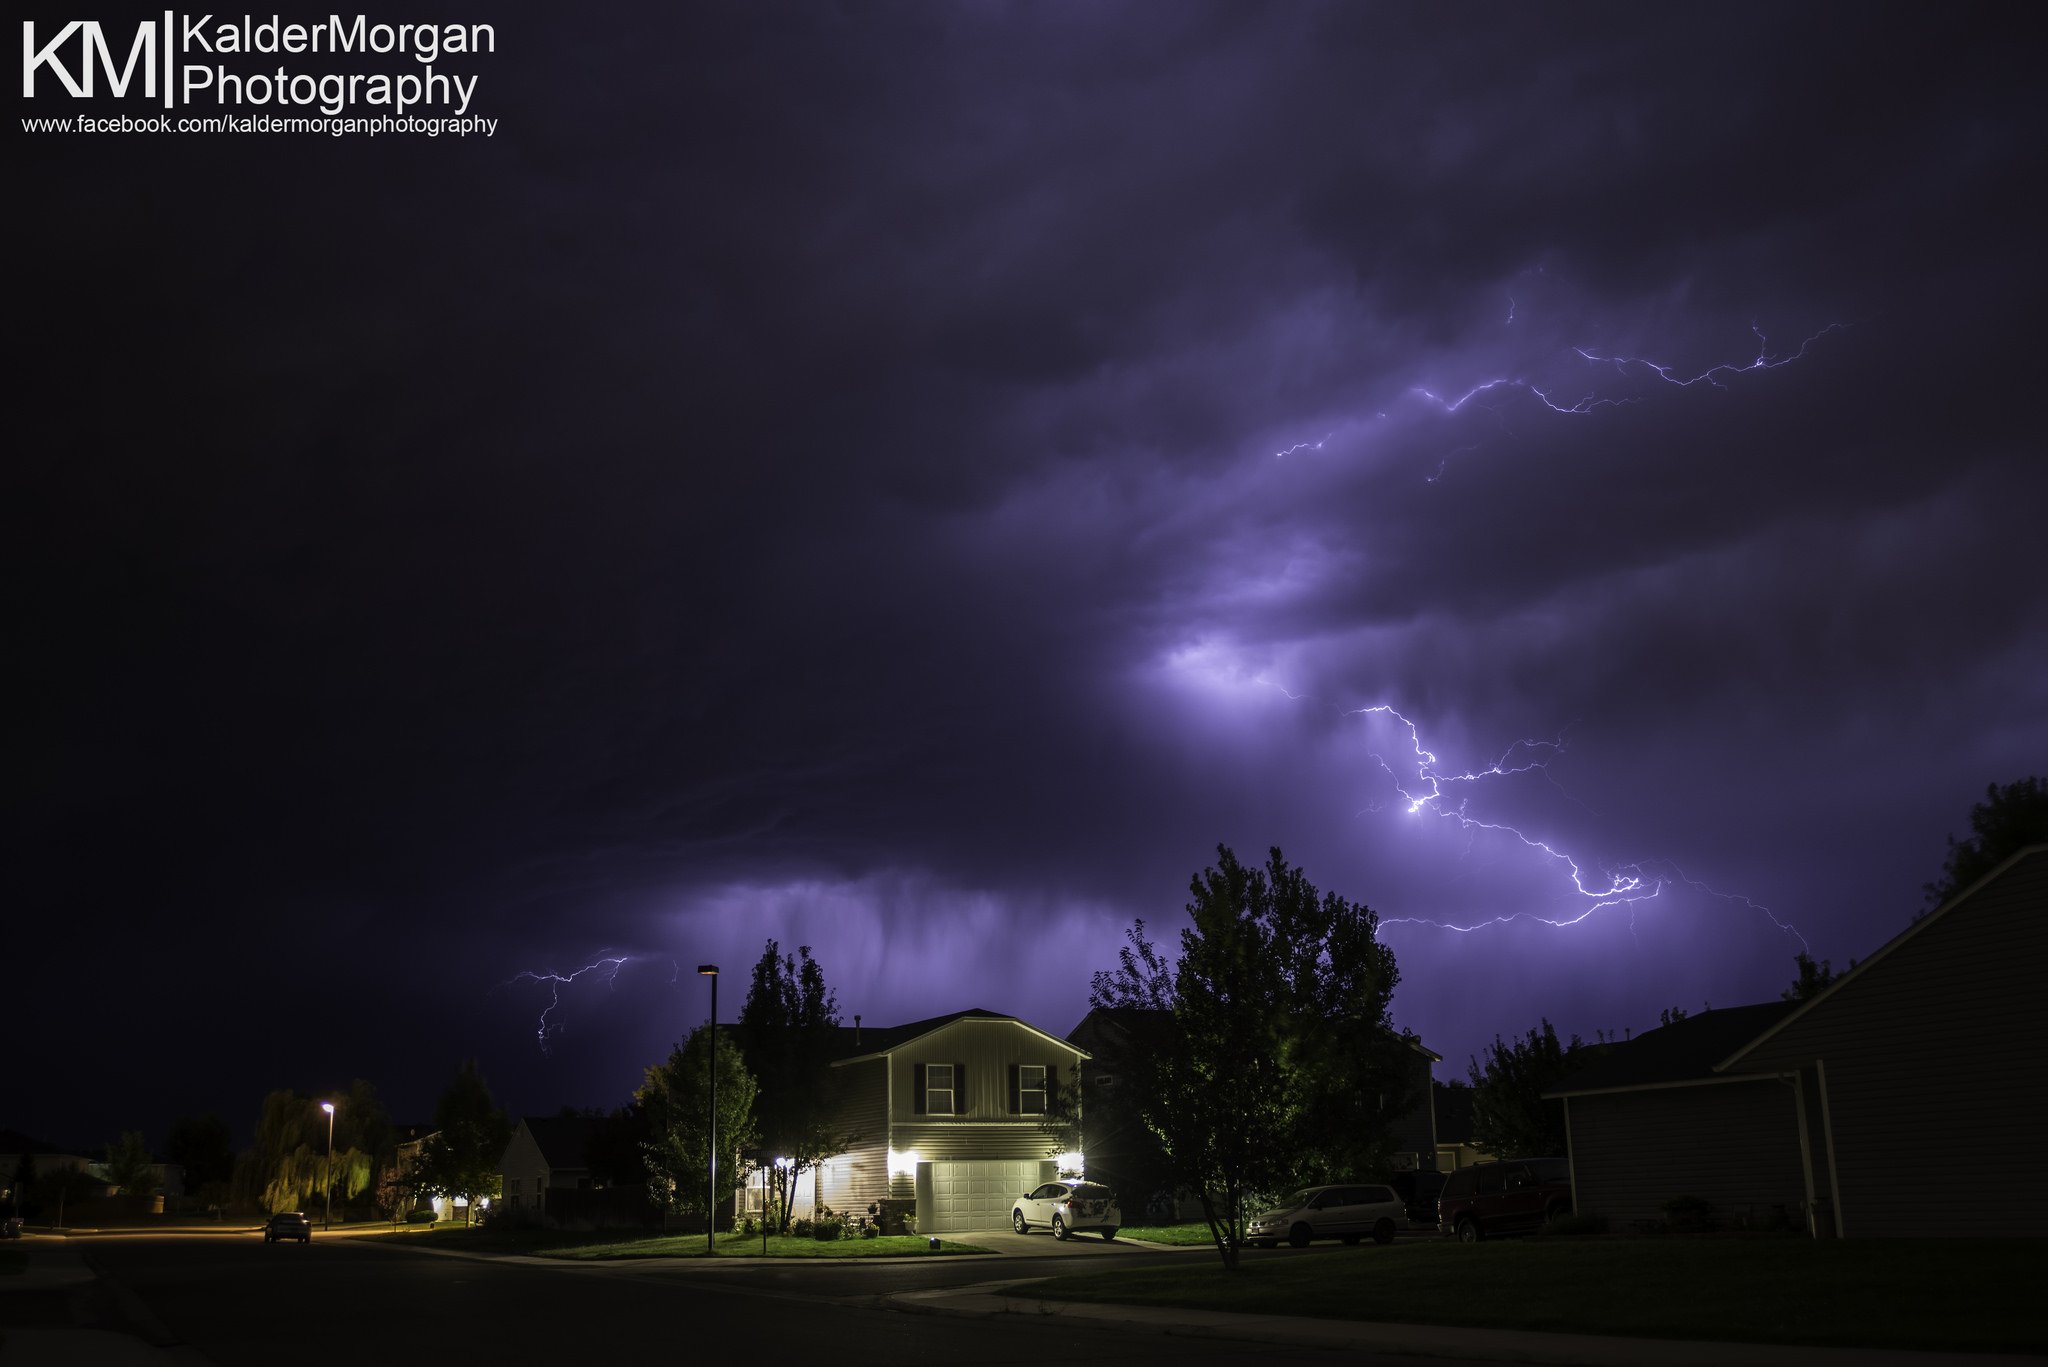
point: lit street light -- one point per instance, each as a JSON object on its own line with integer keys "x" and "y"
{"x": 327, "y": 1168}
{"x": 711, "y": 1184}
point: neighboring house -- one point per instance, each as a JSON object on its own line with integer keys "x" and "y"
{"x": 1850, "y": 1107}
{"x": 949, "y": 1112}
{"x": 1454, "y": 1146}
{"x": 545, "y": 1154}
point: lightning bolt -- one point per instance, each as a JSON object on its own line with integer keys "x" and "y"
{"x": 1713, "y": 375}
{"x": 1623, "y": 886}
{"x": 608, "y": 968}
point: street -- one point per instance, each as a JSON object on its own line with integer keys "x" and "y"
{"x": 235, "y": 1300}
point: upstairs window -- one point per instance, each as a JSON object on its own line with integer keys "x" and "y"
{"x": 1030, "y": 1089}
{"x": 941, "y": 1089}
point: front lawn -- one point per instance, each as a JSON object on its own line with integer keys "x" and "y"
{"x": 1180, "y": 1236}
{"x": 1980, "y": 1295}
{"x": 592, "y": 1245}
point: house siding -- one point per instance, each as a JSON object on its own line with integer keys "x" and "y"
{"x": 987, "y": 1049}
{"x": 1734, "y": 1144}
{"x": 1932, "y": 1032}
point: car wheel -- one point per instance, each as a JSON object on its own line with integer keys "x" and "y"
{"x": 1557, "y": 1212}
{"x": 1469, "y": 1231}
{"x": 1108, "y": 1234}
{"x": 1299, "y": 1236}
{"x": 1383, "y": 1232}
{"x": 1059, "y": 1228}
{"x": 1017, "y": 1221}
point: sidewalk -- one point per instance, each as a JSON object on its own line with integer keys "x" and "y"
{"x": 1426, "y": 1340}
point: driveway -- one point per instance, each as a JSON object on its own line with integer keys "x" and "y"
{"x": 1040, "y": 1243}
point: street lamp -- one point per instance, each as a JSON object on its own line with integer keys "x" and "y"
{"x": 711, "y": 1182}
{"x": 327, "y": 1169}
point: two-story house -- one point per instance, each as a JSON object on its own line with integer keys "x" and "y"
{"x": 950, "y": 1112}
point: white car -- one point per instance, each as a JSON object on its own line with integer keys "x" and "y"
{"x": 1349, "y": 1211}
{"x": 1068, "y": 1207}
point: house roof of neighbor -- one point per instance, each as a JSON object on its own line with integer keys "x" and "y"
{"x": 1684, "y": 1051}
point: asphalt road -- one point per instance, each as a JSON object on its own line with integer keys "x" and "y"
{"x": 236, "y": 1300}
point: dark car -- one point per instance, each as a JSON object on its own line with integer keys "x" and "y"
{"x": 1513, "y": 1196}
{"x": 1418, "y": 1191}
{"x": 290, "y": 1224}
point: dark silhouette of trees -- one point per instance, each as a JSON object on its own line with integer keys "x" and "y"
{"x": 461, "y": 1158}
{"x": 676, "y": 1097}
{"x": 1509, "y": 1115}
{"x": 2007, "y": 821}
{"x": 1281, "y": 1062}
{"x": 789, "y": 1033}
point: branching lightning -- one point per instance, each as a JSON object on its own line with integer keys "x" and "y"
{"x": 1623, "y": 886}
{"x": 606, "y": 968}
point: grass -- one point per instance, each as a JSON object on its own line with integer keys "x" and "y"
{"x": 1980, "y": 1295}
{"x": 1179, "y": 1236}
{"x": 600, "y": 1245}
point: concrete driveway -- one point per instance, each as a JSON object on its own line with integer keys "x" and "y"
{"x": 1039, "y": 1243}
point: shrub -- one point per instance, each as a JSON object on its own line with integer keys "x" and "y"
{"x": 870, "y": 1232}
{"x": 1689, "y": 1214}
{"x": 829, "y": 1231}
{"x": 420, "y": 1217}
{"x": 747, "y": 1227}
{"x": 800, "y": 1228}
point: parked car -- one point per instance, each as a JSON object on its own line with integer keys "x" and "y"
{"x": 10, "y": 1228}
{"x": 1509, "y": 1197}
{"x": 290, "y": 1224}
{"x": 1347, "y": 1211}
{"x": 1068, "y": 1207}
{"x": 1419, "y": 1189}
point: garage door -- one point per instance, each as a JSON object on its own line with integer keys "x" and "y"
{"x": 953, "y": 1198}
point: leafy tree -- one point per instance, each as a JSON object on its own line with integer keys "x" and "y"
{"x": 2007, "y": 821}
{"x": 461, "y": 1157}
{"x": 290, "y": 1166}
{"x": 202, "y": 1147}
{"x": 1281, "y": 1063}
{"x": 1815, "y": 976}
{"x": 1509, "y": 1115}
{"x": 676, "y": 1097}
{"x": 617, "y": 1149}
{"x": 130, "y": 1167}
{"x": 788, "y": 1032}
{"x": 1671, "y": 1015}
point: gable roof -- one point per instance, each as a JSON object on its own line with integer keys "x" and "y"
{"x": 1684, "y": 1051}
{"x": 564, "y": 1140}
{"x": 2010, "y": 868}
{"x": 856, "y": 1043}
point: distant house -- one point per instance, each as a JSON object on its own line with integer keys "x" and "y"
{"x": 1850, "y": 1109}
{"x": 1453, "y": 1119}
{"x": 948, "y": 1113}
{"x": 545, "y": 1154}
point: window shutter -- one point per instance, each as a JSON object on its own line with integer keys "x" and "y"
{"x": 917, "y": 1089}
{"x": 1016, "y": 1089}
{"x": 959, "y": 1089}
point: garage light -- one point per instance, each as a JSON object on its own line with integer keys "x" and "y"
{"x": 903, "y": 1162}
{"x": 1069, "y": 1164}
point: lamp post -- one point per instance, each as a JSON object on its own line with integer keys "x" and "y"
{"x": 327, "y": 1168}
{"x": 711, "y": 1181}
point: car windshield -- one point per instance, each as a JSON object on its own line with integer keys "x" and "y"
{"x": 1293, "y": 1200}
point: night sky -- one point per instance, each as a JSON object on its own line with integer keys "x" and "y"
{"x": 912, "y": 479}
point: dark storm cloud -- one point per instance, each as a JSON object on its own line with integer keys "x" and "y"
{"x": 817, "y": 475}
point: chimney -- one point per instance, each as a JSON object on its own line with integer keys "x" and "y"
{"x": 856, "y": 1030}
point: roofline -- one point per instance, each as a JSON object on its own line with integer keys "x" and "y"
{"x": 961, "y": 1019}
{"x": 1881, "y": 953}
{"x": 1668, "y": 1086}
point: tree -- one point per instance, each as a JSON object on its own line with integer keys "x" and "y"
{"x": 1281, "y": 1064}
{"x": 676, "y": 1096}
{"x": 1509, "y": 1115}
{"x": 2007, "y": 821}
{"x": 617, "y": 1148}
{"x": 130, "y": 1167}
{"x": 788, "y": 1032}
{"x": 290, "y": 1166}
{"x": 1815, "y": 977}
{"x": 202, "y": 1147}
{"x": 461, "y": 1158}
